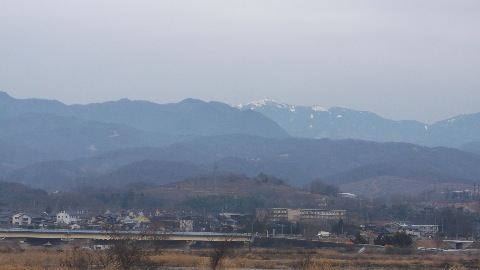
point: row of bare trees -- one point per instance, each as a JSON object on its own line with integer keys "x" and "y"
{"x": 131, "y": 250}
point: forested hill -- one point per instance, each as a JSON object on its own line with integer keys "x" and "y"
{"x": 298, "y": 161}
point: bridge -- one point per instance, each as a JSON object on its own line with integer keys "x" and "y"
{"x": 68, "y": 235}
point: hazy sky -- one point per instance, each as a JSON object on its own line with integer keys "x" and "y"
{"x": 400, "y": 59}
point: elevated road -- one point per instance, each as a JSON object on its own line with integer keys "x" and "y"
{"x": 140, "y": 235}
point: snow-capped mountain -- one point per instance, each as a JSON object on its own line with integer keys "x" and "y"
{"x": 336, "y": 123}
{"x": 340, "y": 123}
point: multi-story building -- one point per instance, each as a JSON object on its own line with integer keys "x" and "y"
{"x": 272, "y": 214}
{"x": 21, "y": 219}
{"x": 284, "y": 214}
{"x": 322, "y": 214}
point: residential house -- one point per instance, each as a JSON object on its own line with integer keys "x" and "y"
{"x": 25, "y": 219}
{"x": 21, "y": 219}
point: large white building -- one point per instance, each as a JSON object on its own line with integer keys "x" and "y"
{"x": 65, "y": 218}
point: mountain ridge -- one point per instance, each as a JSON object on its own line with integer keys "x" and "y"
{"x": 187, "y": 117}
{"x": 297, "y": 161}
{"x": 340, "y": 123}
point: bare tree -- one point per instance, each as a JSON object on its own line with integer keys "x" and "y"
{"x": 153, "y": 233}
{"x": 79, "y": 258}
{"x": 220, "y": 250}
{"x": 128, "y": 248}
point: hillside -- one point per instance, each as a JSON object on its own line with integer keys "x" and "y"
{"x": 297, "y": 161}
{"x": 145, "y": 171}
{"x": 263, "y": 189}
{"x": 59, "y": 137}
{"x": 47, "y": 175}
{"x": 13, "y": 157}
{"x": 473, "y": 147}
{"x": 391, "y": 186}
{"x": 14, "y": 196}
{"x": 301, "y": 160}
{"x": 401, "y": 171}
{"x": 212, "y": 194}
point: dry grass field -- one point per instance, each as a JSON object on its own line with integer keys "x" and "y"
{"x": 75, "y": 258}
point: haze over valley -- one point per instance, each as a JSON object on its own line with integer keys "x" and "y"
{"x": 49, "y": 145}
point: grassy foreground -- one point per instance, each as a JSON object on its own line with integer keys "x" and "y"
{"x": 75, "y": 258}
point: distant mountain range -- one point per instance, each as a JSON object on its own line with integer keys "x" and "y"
{"x": 38, "y": 130}
{"x": 297, "y": 161}
{"x": 53, "y": 146}
{"x": 187, "y": 117}
{"x": 339, "y": 123}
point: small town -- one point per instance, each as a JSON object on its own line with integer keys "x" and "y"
{"x": 80, "y": 234}
{"x": 271, "y": 222}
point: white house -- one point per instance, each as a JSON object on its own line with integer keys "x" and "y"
{"x": 65, "y": 218}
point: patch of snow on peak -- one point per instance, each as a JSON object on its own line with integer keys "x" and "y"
{"x": 339, "y": 116}
{"x": 261, "y": 103}
{"x": 311, "y": 116}
{"x": 451, "y": 120}
{"x": 318, "y": 108}
{"x": 292, "y": 109}
{"x": 426, "y": 127}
